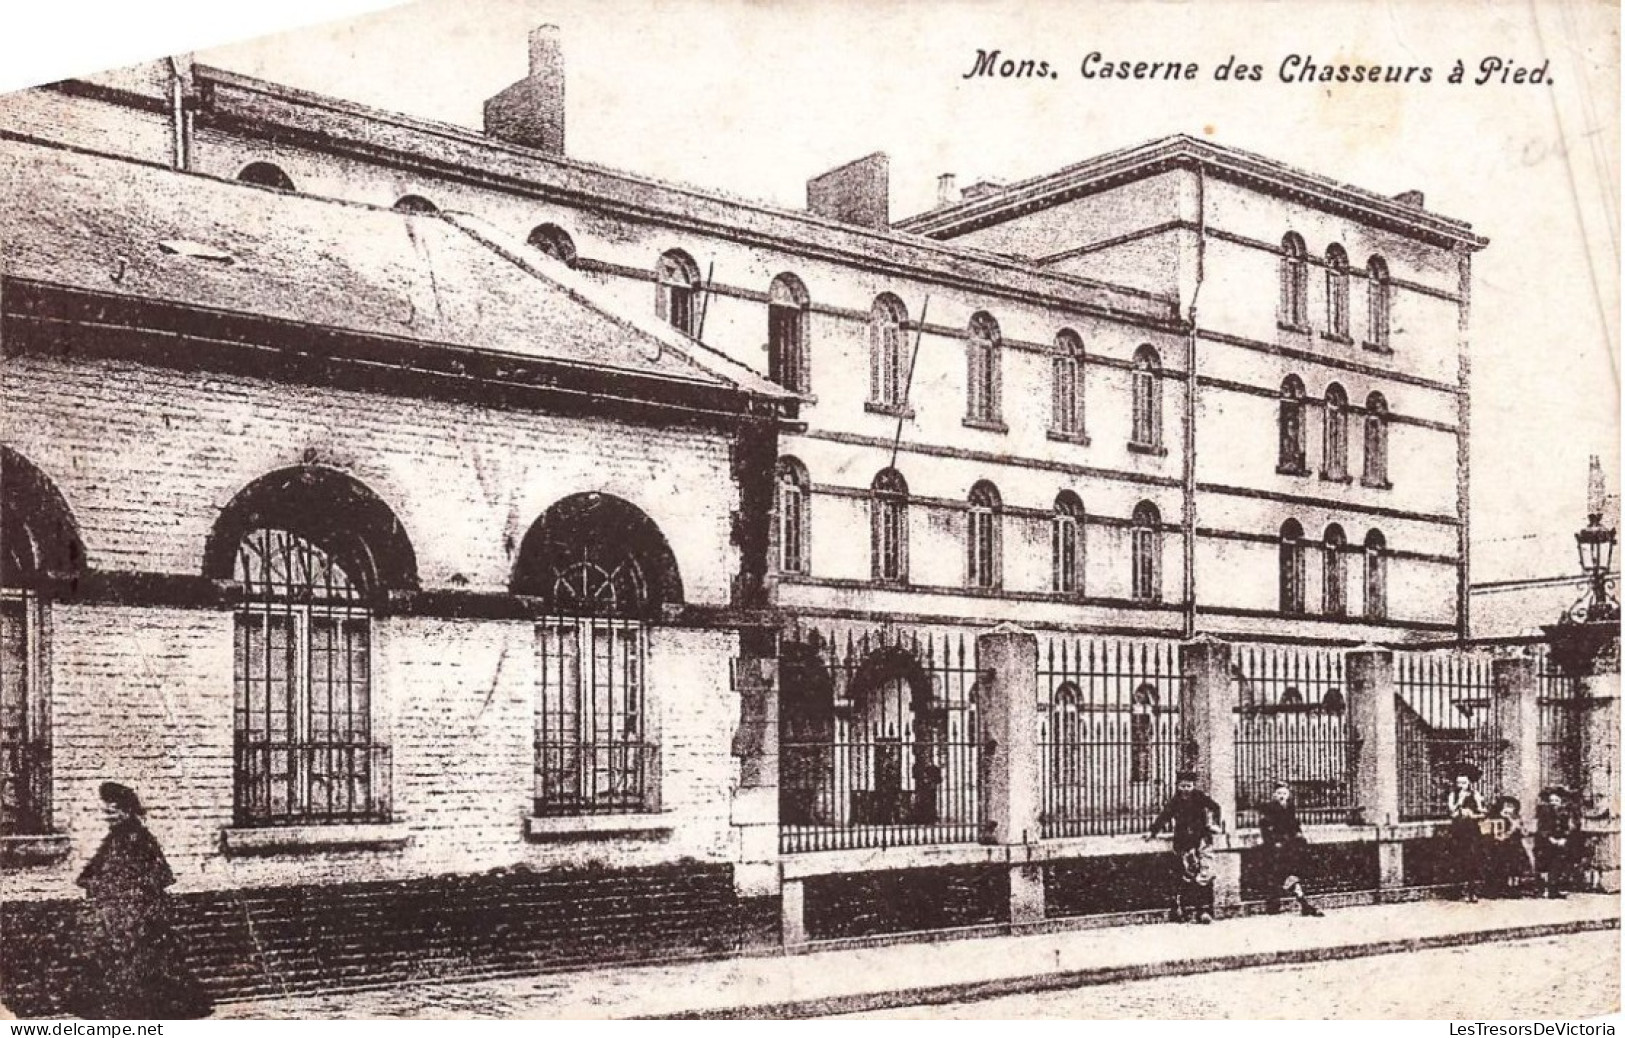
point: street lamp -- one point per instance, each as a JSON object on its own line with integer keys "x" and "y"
{"x": 1595, "y": 546}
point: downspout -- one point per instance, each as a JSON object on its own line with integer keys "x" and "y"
{"x": 1190, "y": 405}
{"x": 1464, "y": 415}
{"x": 180, "y": 114}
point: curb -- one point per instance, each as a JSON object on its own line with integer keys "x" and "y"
{"x": 982, "y": 990}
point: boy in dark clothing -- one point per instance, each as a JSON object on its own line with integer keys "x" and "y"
{"x": 1194, "y": 818}
{"x": 1557, "y": 837}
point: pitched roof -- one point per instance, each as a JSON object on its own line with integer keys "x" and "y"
{"x": 127, "y": 229}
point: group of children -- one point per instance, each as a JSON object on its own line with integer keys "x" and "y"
{"x": 1489, "y": 849}
{"x": 1493, "y": 859}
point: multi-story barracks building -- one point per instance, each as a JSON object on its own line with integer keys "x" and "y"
{"x": 480, "y": 560}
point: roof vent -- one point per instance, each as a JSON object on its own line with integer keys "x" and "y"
{"x": 196, "y": 250}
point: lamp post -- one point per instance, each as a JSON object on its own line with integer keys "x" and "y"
{"x": 1595, "y": 546}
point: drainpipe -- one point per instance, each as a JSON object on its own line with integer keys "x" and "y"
{"x": 180, "y": 75}
{"x": 1190, "y": 406}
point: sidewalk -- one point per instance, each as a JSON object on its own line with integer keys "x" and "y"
{"x": 850, "y": 980}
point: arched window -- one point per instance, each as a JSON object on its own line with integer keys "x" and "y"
{"x": 1376, "y": 442}
{"x": 1294, "y": 283}
{"x": 1066, "y": 545}
{"x": 1336, "y": 463}
{"x": 1066, "y": 738}
{"x": 888, "y": 515}
{"x": 793, "y": 506}
{"x": 1376, "y": 576}
{"x": 983, "y": 537}
{"x": 602, "y": 570}
{"x": 677, "y": 285}
{"x": 1379, "y": 303}
{"x": 415, "y": 204}
{"x": 1143, "y": 705}
{"x": 1292, "y": 567}
{"x": 787, "y": 360}
{"x": 982, "y": 369}
{"x": 265, "y": 174}
{"x": 888, "y": 371}
{"x": 39, "y": 544}
{"x": 1337, "y": 292}
{"x": 552, "y": 240}
{"x": 1146, "y": 432}
{"x": 1293, "y": 456}
{"x": 311, "y": 551}
{"x": 1146, "y": 545}
{"x": 1334, "y": 589}
{"x": 1066, "y": 385}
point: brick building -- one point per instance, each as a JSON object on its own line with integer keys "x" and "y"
{"x": 542, "y": 515}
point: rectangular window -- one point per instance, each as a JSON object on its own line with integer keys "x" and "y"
{"x": 592, "y": 753}
{"x": 305, "y": 748}
{"x": 25, "y": 759}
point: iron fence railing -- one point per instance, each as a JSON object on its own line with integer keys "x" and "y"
{"x": 1292, "y": 727}
{"x": 1445, "y": 712}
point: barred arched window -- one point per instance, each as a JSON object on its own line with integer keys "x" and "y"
{"x": 1066, "y": 385}
{"x": 1379, "y": 302}
{"x": 1337, "y": 292}
{"x": 1376, "y": 442}
{"x": 554, "y": 241}
{"x": 1146, "y": 545}
{"x": 787, "y": 360}
{"x": 1336, "y": 463}
{"x": 1292, "y": 567}
{"x": 982, "y": 369}
{"x": 1146, "y": 432}
{"x": 887, "y": 363}
{"x": 983, "y": 537}
{"x": 793, "y": 508}
{"x": 1334, "y": 589}
{"x": 1066, "y": 737}
{"x": 888, "y": 514}
{"x": 1066, "y": 545}
{"x": 1376, "y": 576}
{"x": 677, "y": 288}
{"x": 1294, "y": 282}
{"x": 1293, "y": 456}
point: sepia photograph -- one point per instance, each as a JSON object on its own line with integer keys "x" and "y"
{"x": 559, "y": 510}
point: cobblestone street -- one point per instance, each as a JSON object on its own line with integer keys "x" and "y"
{"x": 1557, "y": 978}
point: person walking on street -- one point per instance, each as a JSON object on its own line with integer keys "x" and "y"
{"x": 134, "y": 969}
{"x": 1557, "y": 835}
{"x": 1466, "y": 808}
{"x": 1194, "y": 818}
{"x": 1285, "y": 849}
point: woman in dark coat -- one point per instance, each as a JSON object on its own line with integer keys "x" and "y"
{"x": 134, "y": 969}
{"x": 1285, "y": 849}
{"x": 1466, "y": 807}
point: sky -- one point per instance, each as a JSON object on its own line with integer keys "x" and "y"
{"x": 752, "y": 98}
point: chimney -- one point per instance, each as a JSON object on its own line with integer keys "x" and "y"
{"x": 1410, "y": 198}
{"x": 856, "y": 193}
{"x": 946, "y": 195}
{"x": 530, "y": 113}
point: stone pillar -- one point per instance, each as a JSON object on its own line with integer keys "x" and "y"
{"x": 754, "y": 812}
{"x": 1370, "y": 675}
{"x": 793, "y": 912}
{"x": 1599, "y": 778}
{"x": 1517, "y": 714}
{"x": 1207, "y": 714}
{"x": 1007, "y": 709}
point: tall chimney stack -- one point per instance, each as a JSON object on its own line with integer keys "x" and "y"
{"x": 947, "y": 194}
{"x": 530, "y": 113}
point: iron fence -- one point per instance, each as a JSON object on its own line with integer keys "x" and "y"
{"x": 1292, "y": 726}
{"x": 1445, "y": 712}
{"x": 1561, "y": 707}
{"x": 879, "y": 742}
{"x": 1109, "y": 733}
{"x": 311, "y": 783}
